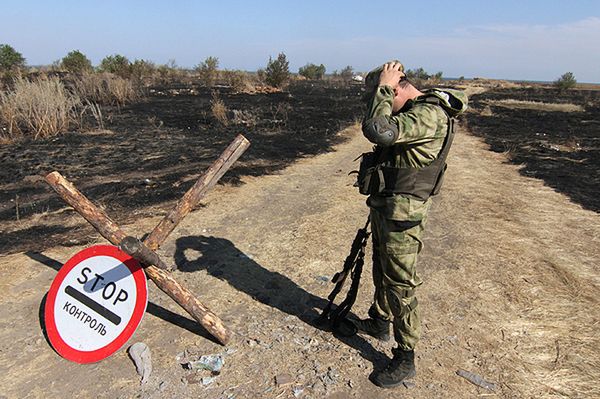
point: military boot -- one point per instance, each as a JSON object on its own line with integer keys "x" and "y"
{"x": 375, "y": 327}
{"x": 400, "y": 368}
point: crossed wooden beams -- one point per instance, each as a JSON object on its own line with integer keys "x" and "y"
{"x": 144, "y": 251}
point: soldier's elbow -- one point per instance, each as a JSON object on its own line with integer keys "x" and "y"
{"x": 379, "y": 130}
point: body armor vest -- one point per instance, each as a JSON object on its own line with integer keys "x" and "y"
{"x": 420, "y": 183}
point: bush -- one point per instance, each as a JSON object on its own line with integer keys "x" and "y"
{"x": 142, "y": 70}
{"x": 169, "y": 72}
{"x": 565, "y": 82}
{"x": 40, "y": 108}
{"x": 239, "y": 81}
{"x": 312, "y": 71}
{"x": 11, "y": 61}
{"x": 218, "y": 109}
{"x": 347, "y": 73}
{"x": 208, "y": 71}
{"x": 277, "y": 72}
{"x": 117, "y": 64}
{"x": 105, "y": 88}
{"x": 76, "y": 62}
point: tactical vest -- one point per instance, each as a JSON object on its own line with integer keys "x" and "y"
{"x": 420, "y": 183}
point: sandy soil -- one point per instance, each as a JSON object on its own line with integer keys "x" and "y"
{"x": 510, "y": 292}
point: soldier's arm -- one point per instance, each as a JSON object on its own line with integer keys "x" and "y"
{"x": 417, "y": 125}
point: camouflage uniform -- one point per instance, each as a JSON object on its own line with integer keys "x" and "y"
{"x": 398, "y": 220}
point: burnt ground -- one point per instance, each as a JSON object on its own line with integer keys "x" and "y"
{"x": 561, "y": 148}
{"x": 152, "y": 151}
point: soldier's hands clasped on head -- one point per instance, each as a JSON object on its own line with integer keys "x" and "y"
{"x": 391, "y": 74}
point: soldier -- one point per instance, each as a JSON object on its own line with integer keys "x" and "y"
{"x": 412, "y": 131}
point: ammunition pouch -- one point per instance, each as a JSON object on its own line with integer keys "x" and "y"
{"x": 368, "y": 167}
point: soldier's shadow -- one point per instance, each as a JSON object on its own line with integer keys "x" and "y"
{"x": 220, "y": 258}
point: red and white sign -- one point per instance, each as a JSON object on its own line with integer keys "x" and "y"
{"x": 95, "y": 304}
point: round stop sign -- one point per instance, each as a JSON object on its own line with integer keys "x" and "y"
{"x": 95, "y": 304}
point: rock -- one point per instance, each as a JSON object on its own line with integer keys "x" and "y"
{"x": 208, "y": 380}
{"x": 212, "y": 363}
{"x": 140, "y": 354}
{"x": 283, "y": 379}
{"x": 476, "y": 379}
{"x": 408, "y": 384}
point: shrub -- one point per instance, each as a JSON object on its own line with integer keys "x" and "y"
{"x": 208, "y": 71}
{"x": 117, "y": 64}
{"x": 239, "y": 81}
{"x": 11, "y": 61}
{"x": 565, "y": 82}
{"x": 169, "y": 72}
{"x": 142, "y": 70}
{"x": 277, "y": 71}
{"x": 312, "y": 71}
{"x": 40, "y": 108}
{"x": 347, "y": 73}
{"x": 76, "y": 62}
{"x": 218, "y": 109}
{"x": 417, "y": 74}
{"x": 105, "y": 88}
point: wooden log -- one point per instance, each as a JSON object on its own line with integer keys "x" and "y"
{"x": 111, "y": 231}
{"x": 196, "y": 192}
{"x": 134, "y": 247}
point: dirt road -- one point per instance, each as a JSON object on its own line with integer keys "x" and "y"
{"x": 510, "y": 293}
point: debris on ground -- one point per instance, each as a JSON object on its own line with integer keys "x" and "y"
{"x": 140, "y": 354}
{"x": 476, "y": 379}
{"x": 283, "y": 379}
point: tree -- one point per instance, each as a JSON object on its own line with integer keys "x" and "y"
{"x": 277, "y": 71}
{"x": 117, "y": 64}
{"x": 76, "y": 62}
{"x": 312, "y": 71}
{"x": 565, "y": 82}
{"x": 347, "y": 73}
{"x": 417, "y": 74}
{"x": 208, "y": 71}
{"x": 141, "y": 70}
{"x": 10, "y": 60}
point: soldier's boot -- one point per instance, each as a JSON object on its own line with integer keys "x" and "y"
{"x": 399, "y": 369}
{"x": 375, "y": 327}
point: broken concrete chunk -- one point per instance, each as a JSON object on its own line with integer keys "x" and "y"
{"x": 140, "y": 354}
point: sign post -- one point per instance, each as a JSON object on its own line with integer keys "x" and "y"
{"x": 95, "y": 303}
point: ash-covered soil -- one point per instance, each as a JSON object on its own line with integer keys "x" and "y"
{"x": 561, "y": 148}
{"x": 151, "y": 152}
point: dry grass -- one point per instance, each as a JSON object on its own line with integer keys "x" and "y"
{"x": 538, "y": 106}
{"x": 105, "y": 89}
{"x": 528, "y": 274}
{"x": 218, "y": 109}
{"x": 40, "y": 108}
{"x": 239, "y": 81}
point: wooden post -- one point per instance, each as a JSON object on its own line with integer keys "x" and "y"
{"x": 111, "y": 231}
{"x": 196, "y": 192}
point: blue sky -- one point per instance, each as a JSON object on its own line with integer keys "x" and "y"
{"x": 526, "y": 39}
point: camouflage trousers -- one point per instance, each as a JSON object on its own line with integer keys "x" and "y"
{"x": 396, "y": 245}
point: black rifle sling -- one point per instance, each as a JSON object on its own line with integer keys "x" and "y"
{"x": 353, "y": 266}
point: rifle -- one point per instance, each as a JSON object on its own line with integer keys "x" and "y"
{"x": 353, "y": 266}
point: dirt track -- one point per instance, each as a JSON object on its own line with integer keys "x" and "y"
{"x": 510, "y": 293}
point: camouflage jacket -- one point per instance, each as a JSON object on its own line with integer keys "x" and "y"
{"x": 422, "y": 128}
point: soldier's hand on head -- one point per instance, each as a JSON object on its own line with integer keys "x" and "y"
{"x": 391, "y": 74}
